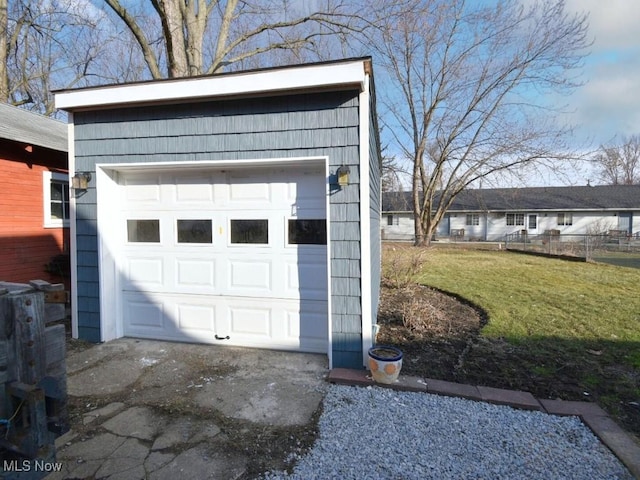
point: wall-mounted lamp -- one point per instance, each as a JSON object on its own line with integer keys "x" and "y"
{"x": 80, "y": 181}
{"x": 343, "y": 175}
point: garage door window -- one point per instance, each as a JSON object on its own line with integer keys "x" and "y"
{"x": 194, "y": 231}
{"x": 307, "y": 232}
{"x": 250, "y": 231}
{"x": 143, "y": 231}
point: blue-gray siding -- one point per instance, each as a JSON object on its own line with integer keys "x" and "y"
{"x": 258, "y": 128}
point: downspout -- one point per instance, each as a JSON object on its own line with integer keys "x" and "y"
{"x": 73, "y": 243}
{"x": 365, "y": 225}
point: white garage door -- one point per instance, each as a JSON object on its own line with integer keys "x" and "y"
{"x": 232, "y": 257}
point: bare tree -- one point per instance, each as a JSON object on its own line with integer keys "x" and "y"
{"x": 205, "y": 36}
{"x": 4, "y": 51}
{"x": 464, "y": 91}
{"x": 44, "y": 45}
{"x": 620, "y": 164}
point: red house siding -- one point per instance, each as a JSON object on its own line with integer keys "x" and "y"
{"x": 26, "y": 246}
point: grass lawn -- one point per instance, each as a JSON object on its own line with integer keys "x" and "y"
{"x": 622, "y": 259}
{"x": 556, "y": 328}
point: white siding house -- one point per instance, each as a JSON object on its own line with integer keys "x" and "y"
{"x": 492, "y": 214}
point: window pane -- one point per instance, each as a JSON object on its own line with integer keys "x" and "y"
{"x": 389, "y": 219}
{"x": 143, "y": 231}
{"x": 66, "y": 209}
{"x": 250, "y": 231}
{"x": 56, "y": 191}
{"x": 307, "y": 232}
{"x": 194, "y": 231}
{"x": 56, "y": 210}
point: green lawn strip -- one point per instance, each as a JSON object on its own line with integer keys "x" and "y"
{"x": 573, "y": 327}
{"x": 534, "y": 296}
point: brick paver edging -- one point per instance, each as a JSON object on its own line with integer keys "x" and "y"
{"x": 614, "y": 437}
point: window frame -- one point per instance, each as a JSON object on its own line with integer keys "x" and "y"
{"x": 232, "y": 218}
{"x": 472, "y": 220}
{"x": 516, "y": 217}
{"x": 567, "y": 219}
{"x": 304, "y": 245}
{"x": 202, "y": 218}
{"x": 137, "y": 219}
{"x": 48, "y": 178}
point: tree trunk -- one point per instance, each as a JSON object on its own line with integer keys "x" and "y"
{"x": 4, "y": 51}
{"x": 173, "y": 28}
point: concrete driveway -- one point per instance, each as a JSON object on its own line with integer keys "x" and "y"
{"x": 144, "y": 409}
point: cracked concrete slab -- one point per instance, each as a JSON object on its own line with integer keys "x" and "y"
{"x": 199, "y": 462}
{"x": 185, "y": 431}
{"x": 126, "y": 461}
{"x": 104, "y": 412}
{"x": 137, "y": 422}
{"x": 262, "y": 400}
{"x": 119, "y": 375}
{"x": 160, "y": 410}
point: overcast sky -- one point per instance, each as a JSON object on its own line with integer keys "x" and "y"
{"x": 609, "y": 103}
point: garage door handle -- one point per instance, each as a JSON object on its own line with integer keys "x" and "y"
{"x": 222, "y": 338}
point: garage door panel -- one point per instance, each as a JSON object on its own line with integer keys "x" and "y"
{"x": 255, "y": 321}
{"x": 250, "y": 277}
{"x": 195, "y": 272}
{"x": 194, "y": 189}
{"x": 308, "y": 323}
{"x": 143, "y": 314}
{"x": 306, "y": 192}
{"x": 196, "y": 317}
{"x": 145, "y": 273}
{"x": 245, "y": 189}
{"x": 142, "y": 189}
{"x": 306, "y": 280}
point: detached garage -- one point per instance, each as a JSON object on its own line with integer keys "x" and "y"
{"x": 238, "y": 209}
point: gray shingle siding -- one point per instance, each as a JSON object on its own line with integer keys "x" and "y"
{"x": 259, "y": 128}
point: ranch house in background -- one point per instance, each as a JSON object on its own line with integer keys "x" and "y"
{"x": 492, "y": 214}
{"x": 236, "y": 209}
{"x": 34, "y": 205}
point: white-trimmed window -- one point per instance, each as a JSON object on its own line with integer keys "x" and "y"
{"x": 565, "y": 219}
{"x": 473, "y": 219}
{"x": 56, "y": 199}
{"x": 515, "y": 219}
{"x": 393, "y": 220}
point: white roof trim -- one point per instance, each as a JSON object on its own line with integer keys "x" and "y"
{"x": 304, "y": 77}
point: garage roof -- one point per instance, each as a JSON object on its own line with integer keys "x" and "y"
{"x": 23, "y": 126}
{"x": 327, "y": 75}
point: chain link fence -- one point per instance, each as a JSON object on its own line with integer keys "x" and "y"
{"x": 615, "y": 247}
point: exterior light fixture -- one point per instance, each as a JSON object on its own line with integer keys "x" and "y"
{"x": 80, "y": 181}
{"x": 343, "y": 175}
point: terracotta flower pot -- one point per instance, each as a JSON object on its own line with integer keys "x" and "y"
{"x": 385, "y": 363}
